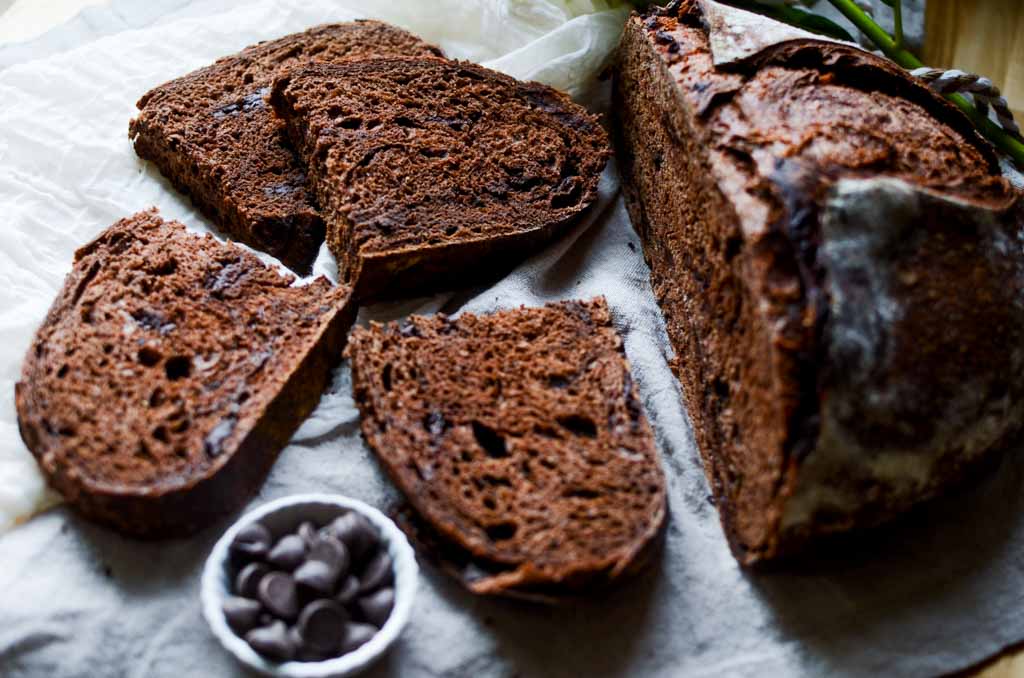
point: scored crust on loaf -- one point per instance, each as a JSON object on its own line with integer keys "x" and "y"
{"x": 519, "y": 440}
{"x": 837, "y": 366}
{"x": 432, "y": 173}
{"x": 213, "y": 135}
{"x": 169, "y": 373}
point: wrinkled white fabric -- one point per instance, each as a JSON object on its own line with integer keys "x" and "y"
{"x": 930, "y": 595}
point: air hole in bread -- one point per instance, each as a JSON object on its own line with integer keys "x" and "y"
{"x": 491, "y": 442}
{"x": 156, "y": 398}
{"x": 160, "y": 433}
{"x": 581, "y": 493}
{"x": 721, "y": 388}
{"x": 62, "y": 372}
{"x": 178, "y": 367}
{"x": 351, "y": 123}
{"x": 149, "y": 356}
{"x": 490, "y": 503}
{"x": 385, "y": 377}
{"x": 501, "y": 531}
{"x": 579, "y": 425}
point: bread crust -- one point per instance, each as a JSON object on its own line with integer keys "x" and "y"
{"x": 750, "y": 185}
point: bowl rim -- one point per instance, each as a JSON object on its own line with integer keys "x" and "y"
{"x": 212, "y": 591}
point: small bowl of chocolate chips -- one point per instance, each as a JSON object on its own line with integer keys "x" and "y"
{"x": 310, "y": 585}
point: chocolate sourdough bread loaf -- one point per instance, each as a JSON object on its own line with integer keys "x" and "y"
{"x": 839, "y": 262}
{"x": 518, "y": 439}
{"x": 433, "y": 173}
{"x": 213, "y": 135}
{"x": 170, "y": 372}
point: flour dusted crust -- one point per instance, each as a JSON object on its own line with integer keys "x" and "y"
{"x": 840, "y": 266}
{"x": 213, "y": 135}
{"x": 169, "y": 373}
{"x": 519, "y": 441}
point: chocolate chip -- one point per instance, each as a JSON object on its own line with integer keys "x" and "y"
{"x": 348, "y": 591}
{"x": 248, "y": 580}
{"x": 277, "y": 592}
{"x": 288, "y": 553}
{"x": 272, "y": 641}
{"x": 356, "y": 532}
{"x": 307, "y": 531}
{"x": 251, "y": 543}
{"x": 378, "y": 572}
{"x": 356, "y": 635}
{"x": 377, "y": 606}
{"x": 317, "y": 575}
{"x": 242, "y": 614}
{"x": 322, "y": 625}
{"x": 304, "y": 653}
{"x": 331, "y": 551}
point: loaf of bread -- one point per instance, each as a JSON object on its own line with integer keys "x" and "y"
{"x": 170, "y": 372}
{"x": 519, "y": 441}
{"x": 212, "y": 134}
{"x": 435, "y": 173}
{"x": 840, "y": 266}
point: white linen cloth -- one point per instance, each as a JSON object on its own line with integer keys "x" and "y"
{"x": 932, "y": 594}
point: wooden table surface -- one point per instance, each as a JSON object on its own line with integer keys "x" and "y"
{"x": 981, "y": 36}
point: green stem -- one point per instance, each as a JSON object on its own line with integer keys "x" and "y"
{"x": 897, "y": 18}
{"x": 1002, "y": 139}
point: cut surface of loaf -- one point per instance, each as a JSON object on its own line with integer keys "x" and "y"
{"x": 213, "y": 135}
{"x": 169, "y": 373}
{"x": 836, "y": 256}
{"x": 519, "y": 441}
{"x": 431, "y": 173}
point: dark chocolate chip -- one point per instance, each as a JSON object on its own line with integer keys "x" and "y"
{"x": 242, "y": 614}
{"x": 377, "y": 606}
{"x": 277, "y": 592}
{"x": 348, "y": 590}
{"x": 356, "y": 635}
{"x": 272, "y": 641}
{"x": 288, "y": 553}
{"x": 378, "y": 572}
{"x": 356, "y": 532}
{"x": 251, "y": 543}
{"x": 317, "y": 575}
{"x": 331, "y": 551}
{"x": 322, "y": 626}
{"x": 307, "y": 531}
{"x": 247, "y": 582}
{"x": 304, "y": 653}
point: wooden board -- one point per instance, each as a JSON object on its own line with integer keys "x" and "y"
{"x": 979, "y": 36}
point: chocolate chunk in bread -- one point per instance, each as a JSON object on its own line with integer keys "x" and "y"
{"x": 213, "y": 135}
{"x": 839, "y": 267}
{"x": 434, "y": 173}
{"x": 519, "y": 440}
{"x": 169, "y": 373}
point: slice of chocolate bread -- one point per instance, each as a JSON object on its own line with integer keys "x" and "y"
{"x": 170, "y": 372}
{"x": 212, "y": 134}
{"x": 518, "y": 439}
{"x": 433, "y": 173}
{"x": 839, "y": 265}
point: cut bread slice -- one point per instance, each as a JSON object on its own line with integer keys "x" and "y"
{"x": 170, "y": 372}
{"x": 519, "y": 441}
{"x": 433, "y": 173}
{"x": 212, "y": 134}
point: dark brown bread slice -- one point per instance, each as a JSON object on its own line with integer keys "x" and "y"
{"x": 519, "y": 440}
{"x": 170, "y": 372}
{"x": 433, "y": 173}
{"x": 212, "y": 134}
{"x": 839, "y": 268}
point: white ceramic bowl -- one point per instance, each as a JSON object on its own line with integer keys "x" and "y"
{"x": 282, "y": 516}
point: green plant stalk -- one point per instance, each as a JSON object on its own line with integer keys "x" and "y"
{"x": 1002, "y": 139}
{"x": 897, "y": 17}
